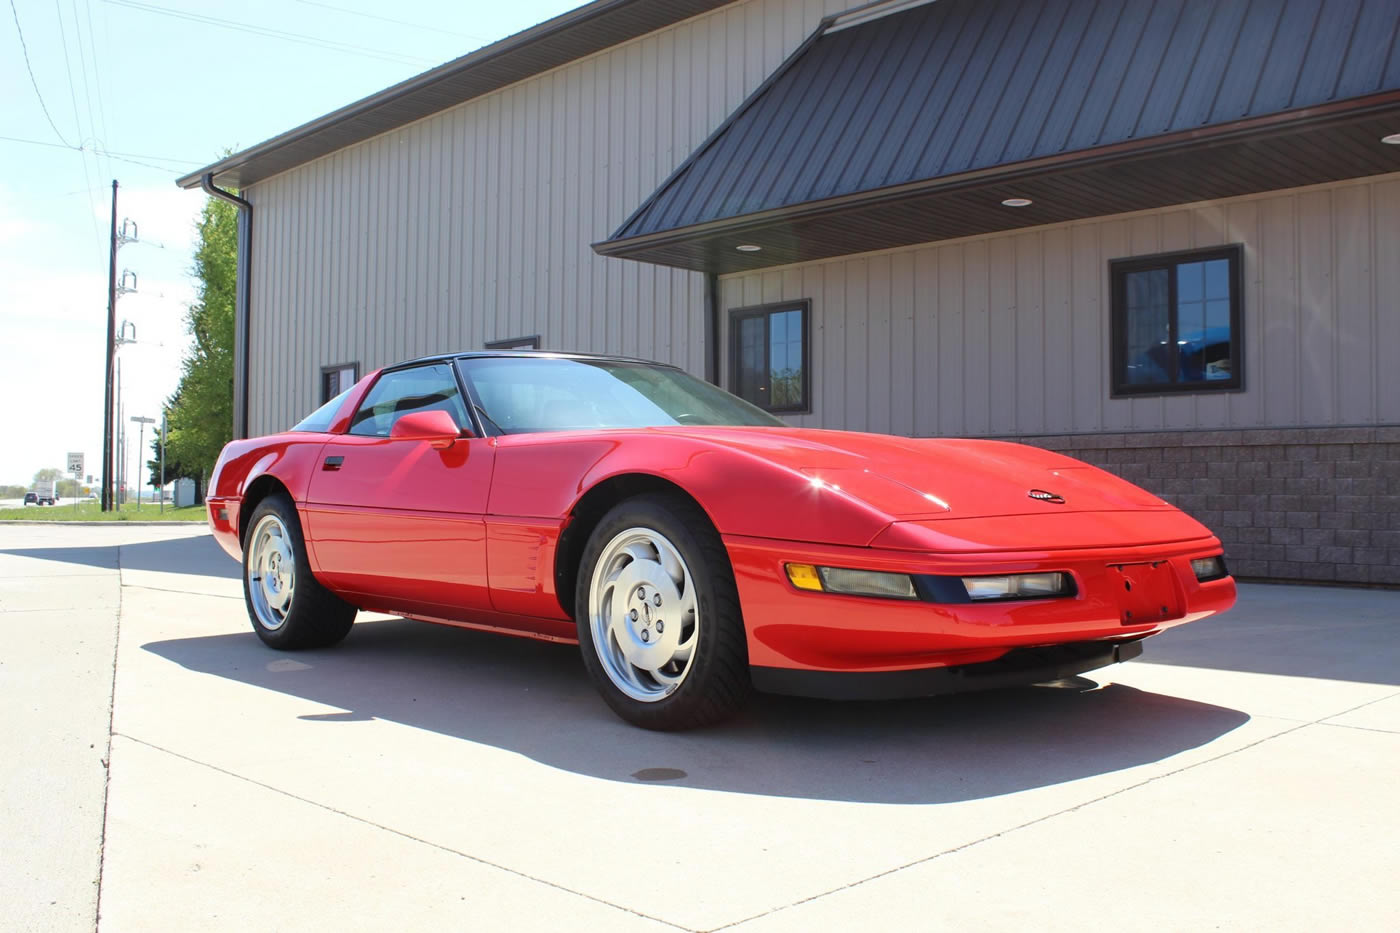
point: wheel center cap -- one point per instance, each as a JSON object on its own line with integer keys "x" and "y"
{"x": 639, "y": 613}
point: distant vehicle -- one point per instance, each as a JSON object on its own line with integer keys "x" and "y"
{"x": 31, "y": 499}
{"x": 43, "y": 493}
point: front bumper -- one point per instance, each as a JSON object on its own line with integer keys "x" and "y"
{"x": 796, "y": 630}
{"x": 1017, "y": 668}
{"x": 222, "y": 514}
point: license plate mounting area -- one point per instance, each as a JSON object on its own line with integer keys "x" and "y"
{"x": 1147, "y": 592}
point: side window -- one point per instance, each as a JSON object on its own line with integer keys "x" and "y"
{"x": 1176, "y": 322}
{"x": 768, "y": 349}
{"x": 336, "y": 379}
{"x": 531, "y": 342}
{"x": 423, "y": 388}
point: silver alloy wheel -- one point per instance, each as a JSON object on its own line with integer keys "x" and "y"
{"x": 643, "y": 614}
{"x": 271, "y": 570}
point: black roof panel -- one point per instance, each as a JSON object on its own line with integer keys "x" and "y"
{"x": 957, "y": 86}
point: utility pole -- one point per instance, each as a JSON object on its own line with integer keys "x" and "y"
{"x": 140, "y": 443}
{"x": 111, "y": 354}
{"x": 162, "y": 461}
{"x": 120, "y": 496}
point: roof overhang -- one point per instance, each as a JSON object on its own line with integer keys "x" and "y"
{"x": 590, "y": 28}
{"x": 1284, "y": 150}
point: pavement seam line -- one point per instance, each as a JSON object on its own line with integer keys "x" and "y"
{"x": 398, "y": 832}
{"x": 1006, "y": 832}
{"x": 161, "y": 589}
{"x": 1301, "y": 724}
{"x": 107, "y": 764}
{"x": 1342, "y": 725}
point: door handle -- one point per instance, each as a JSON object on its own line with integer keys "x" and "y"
{"x": 332, "y": 463}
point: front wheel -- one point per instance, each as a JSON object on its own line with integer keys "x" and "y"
{"x": 289, "y": 609}
{"x": 658, "y": 615}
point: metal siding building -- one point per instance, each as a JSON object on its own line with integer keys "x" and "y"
{"x": 588, "y": 181}
{"x": 475, "y": 224}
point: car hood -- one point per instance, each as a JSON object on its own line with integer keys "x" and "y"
{"x": 936, "y": 478}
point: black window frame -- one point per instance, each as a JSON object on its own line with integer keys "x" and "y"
{"x": 736, "y": 315}
{"x": 466, "y": 420}
{"x": 531, "y": 342}
{"x": 1120, "y": 269}
{"x": 327, "y": 370}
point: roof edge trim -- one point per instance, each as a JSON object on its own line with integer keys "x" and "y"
{"x": 1270, "y": 124}
{"x": 871, "y": 11}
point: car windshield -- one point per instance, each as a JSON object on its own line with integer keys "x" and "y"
{"x": 320, "y": 419}
{"x": 522, "y": 395}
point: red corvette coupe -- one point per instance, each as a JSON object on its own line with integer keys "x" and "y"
{"x": 694, "y": 546}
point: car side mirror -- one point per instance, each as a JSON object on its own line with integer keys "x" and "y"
{"x": 436, "y": 427}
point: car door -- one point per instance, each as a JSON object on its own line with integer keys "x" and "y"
{"x": 394, "y": 522}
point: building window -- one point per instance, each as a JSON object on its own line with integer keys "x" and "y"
{"x": 515, "y": 343}
{"x": 1176, "y": 322}
{"x": 336, "y": 379}
{"x": 768, "y": 356}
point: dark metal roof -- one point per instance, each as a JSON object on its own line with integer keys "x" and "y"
{"x": 966, "y": 93}
{"x": 566, "y": 38}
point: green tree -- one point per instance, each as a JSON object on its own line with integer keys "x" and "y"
{"x": 174, "y": 469}
{"x": 48, "y": 474}
{"x": 200, "y": 412}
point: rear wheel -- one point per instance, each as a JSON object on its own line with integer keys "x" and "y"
{"x": 289, "y": 609}
{"x": 658, "y": 616}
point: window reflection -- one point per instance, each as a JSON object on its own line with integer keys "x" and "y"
{"x": 767, "y": 347}
{"x": 1175, "y": 321}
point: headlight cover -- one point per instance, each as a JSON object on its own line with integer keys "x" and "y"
{"x": 931, "y": 589}
{"x": 852, "y": 582}
{"x": 1019, "y": 586}
{"x": 1209, "y": 568}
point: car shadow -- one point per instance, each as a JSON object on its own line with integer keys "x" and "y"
{"x": 196, "y": 555}
{"x": 535, "y": 699}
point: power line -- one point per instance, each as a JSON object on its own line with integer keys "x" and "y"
{"x": 111, "y": 152}
{"x": 96, "y": 66}
{"x": 73, "y": 96}
{"x": 399, "y": 22}
{"x": 105, "y": 152}
{"x": 28, "y": 67}
{"x": 299, "y": 38}
{"x": 82, "y": 62}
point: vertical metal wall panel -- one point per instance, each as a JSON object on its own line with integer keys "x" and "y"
{"x": 476, "y": 223}
{"x": 1008, "y": 334}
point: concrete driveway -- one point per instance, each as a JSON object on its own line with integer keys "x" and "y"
{"x": 161, "y": 770}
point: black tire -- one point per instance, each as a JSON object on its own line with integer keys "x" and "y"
{"x": 716, "y": 684}
{"x": 315, "y": 617}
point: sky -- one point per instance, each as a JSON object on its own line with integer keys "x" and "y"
{"x": 142, "y": 91}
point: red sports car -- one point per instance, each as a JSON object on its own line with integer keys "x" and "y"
{"x": 694, "y": 546}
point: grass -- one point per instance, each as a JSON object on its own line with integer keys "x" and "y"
{"x": 92, "y": 512}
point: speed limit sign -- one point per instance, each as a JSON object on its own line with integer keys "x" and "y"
{"x": 75, "y": 463}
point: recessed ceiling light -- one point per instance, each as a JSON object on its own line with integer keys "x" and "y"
{"x": 1016, "y": 202}
{"x": 748, "y": 248}
{"x": 1392, "y": 140}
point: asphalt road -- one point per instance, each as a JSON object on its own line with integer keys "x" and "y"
{"x": 1240, "y": 776}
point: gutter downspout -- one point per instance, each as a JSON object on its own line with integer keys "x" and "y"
{"x": 712, "y": 327}
{"x": 242, "y": 301}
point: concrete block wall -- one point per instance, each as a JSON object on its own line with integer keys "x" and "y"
{"x": 1303, "y": 504}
